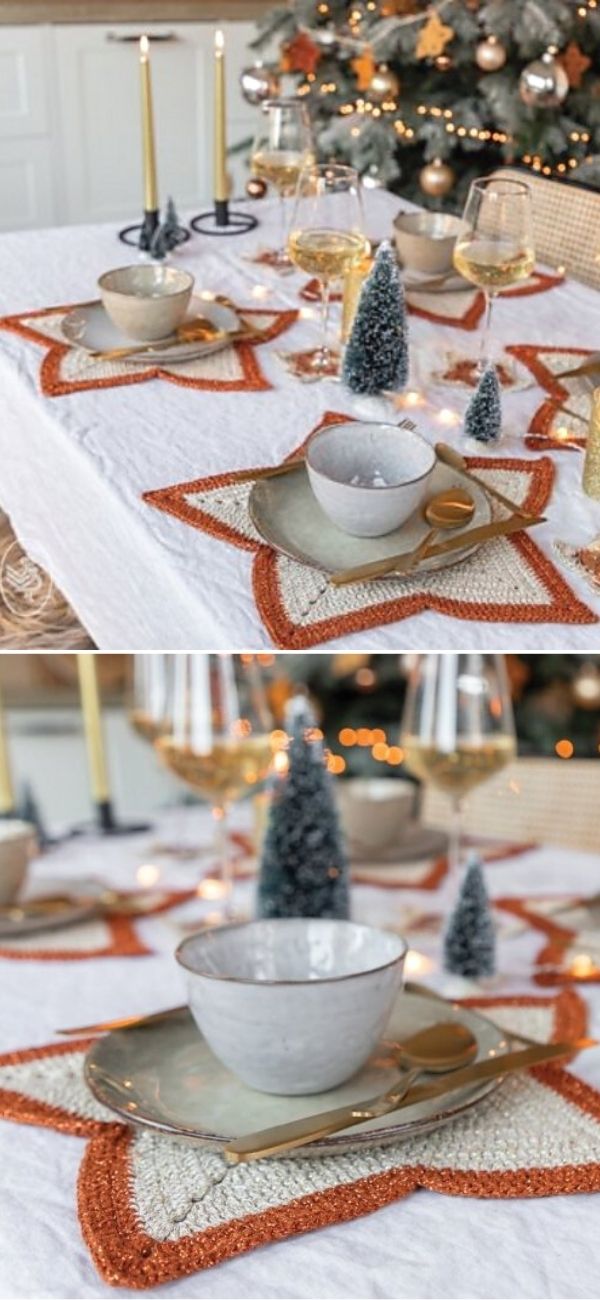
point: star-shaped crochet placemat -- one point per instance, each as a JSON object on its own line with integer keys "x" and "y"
{"x": 100, "y": 936}
{"x": 464, "y": 310}
{"x": 152, "y": 1209}
{"x": 66, "y": 369}
{"x": 563, "y": 417}
{"x": 508, "y": 580}
{"x": 571, "y": 951}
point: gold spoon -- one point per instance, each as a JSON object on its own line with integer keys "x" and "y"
{"x": 448, "y": 509}
{"x": 197, "y": 330}
{"x": 438, "y": 1049}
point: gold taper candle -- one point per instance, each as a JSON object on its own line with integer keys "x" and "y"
{"x": 591, "y": 467}
{"x": 221, "y": 187}
{"x": 149, "y": 152}
{"x": 92, "y": 721}
{"x": 7, "y": 794}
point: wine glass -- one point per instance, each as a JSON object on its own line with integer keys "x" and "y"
{"x": 282, "y": 147}
{"x": 152, "y": 691}
{"x": 219, "y": 739}
{"x": 326, "y": 240}
{"x": 457, "y": 727}
{"x": 495, "y": 248}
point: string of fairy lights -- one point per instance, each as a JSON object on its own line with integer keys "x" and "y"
{"x": 371, "y": 109}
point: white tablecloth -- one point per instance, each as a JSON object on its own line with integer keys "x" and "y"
{"x": 427, "y": 1245}
{"x": 73, "y": 469}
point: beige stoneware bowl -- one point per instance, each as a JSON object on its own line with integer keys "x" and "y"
{"x": 292, "y": 1006}
{"x": 425, "y": 240}
{"x": 368, "y": 478}
{"x": 375, "y": 811}
{"x": 17, "y": 847}
{"x": 146, "y": 302}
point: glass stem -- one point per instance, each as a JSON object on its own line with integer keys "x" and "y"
{"x": 224, "y": 859}
{"x": 282, "y": 228}
{"x": 484, "y": 347}
{"x": 325, "y": 299}
{"x": 455, "y": 844}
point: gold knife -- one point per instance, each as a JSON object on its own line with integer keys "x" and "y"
{"x": 395, "y": 564}
{"x": 284, "y": 1137}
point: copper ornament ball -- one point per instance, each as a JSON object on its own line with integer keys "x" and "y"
{"x": 543, "y": 83}
{"x": 490, "y": 55}
{"x": 384, "y": 83}
{"x": 256, "y": 187}
{"x": 258, "y": 83}
{"x": 436, "y": 179}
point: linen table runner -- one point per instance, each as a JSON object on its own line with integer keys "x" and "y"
{"x": 152, "y": 1209}
{"x": 507, "y": 580}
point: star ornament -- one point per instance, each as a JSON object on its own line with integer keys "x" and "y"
{"x": 433, "y": 37}
{"x": 363, "y": 68}
{"x": 575, "y": 64}
{"x": 300, "y": 55}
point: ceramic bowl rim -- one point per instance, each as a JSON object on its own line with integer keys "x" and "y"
{"x": 287, "y": 983}
{"x": 128, "y": 293}
{"x": 403, "y": 223}
{"x": 373, "y": 424}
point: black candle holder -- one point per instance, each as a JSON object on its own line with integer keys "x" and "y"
{"x": 107, "y": 823}
{"x": 220, "y": 220}
{"x": 141, "y": 235}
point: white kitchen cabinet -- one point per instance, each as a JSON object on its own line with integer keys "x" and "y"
{"x": 99, "y": 109}
{"x": 70, "y": 135}
{"x": 27, "y": 191}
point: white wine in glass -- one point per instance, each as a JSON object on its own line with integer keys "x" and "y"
{"x": 219, "y": 741}
{"x": 326, "y": 240}
{"x": 457, "y": 726}
{"x": 282, "y": 147}
{"x": 151, "y": 704}
{"x": 495, "y": 249}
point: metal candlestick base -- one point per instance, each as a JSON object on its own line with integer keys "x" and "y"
{"x": 221, "y": 221}
{"x": 107, "y": 824}
{"x": 140, "y": 236}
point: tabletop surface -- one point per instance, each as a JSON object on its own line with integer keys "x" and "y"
{"x": 74, "y": 468}
{"x": 425, "y": 1245}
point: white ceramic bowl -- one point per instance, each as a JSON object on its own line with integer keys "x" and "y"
{"x": 375, "y": 811}
{"x": 146, "y": 302}
{"x": 292, "y": 1006}
{"x": 368, "y": 478}
{"x": 425, "y": 240}
{"x": 17, "y": 847}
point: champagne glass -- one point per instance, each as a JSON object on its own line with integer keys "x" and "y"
{"x": 152, "y": 688}
{"x": 282, "y": 147}
{"x": 219, "y": 740}
{"x": 326, "y": 240}
{"x": 457, "y": 727}
{"x": 495, "y": 249}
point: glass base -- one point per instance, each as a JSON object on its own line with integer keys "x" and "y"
{"x": 313, "y": 364}
{"x": 276, "y": 259}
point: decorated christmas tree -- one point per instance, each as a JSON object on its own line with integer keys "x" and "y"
{"x": 376, "y": 358}
{"x": 303, "y": 871}
{"x": 421, "y": 96}
{"x": 483, "y": 417}
{"x": 470, "y": 942}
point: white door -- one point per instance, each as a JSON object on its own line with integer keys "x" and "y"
{"x": 99, "y": 92}
{"x": 26, "y": 160}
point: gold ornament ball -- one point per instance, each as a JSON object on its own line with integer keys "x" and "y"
{"x": 384, "y": 83}
{"x": 256, "y": 187}
{"x": 490, "y": 55}
{"x": 436, "y": 179}
{"x": 543, "y": 83}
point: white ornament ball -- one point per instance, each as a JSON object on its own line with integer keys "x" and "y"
{"x": 436, "y": 179}
{"x": 490, "y": 55}
{"x": 258, "y": 83}
{"x": 543, "y": 83}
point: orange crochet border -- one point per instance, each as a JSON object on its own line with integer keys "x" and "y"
{"x": 125, "y": 1255}
{"x": 565, "y": 607}
{"x": 470, "y": 319}
{"x": 531, "y": 356}
{"x": 53, "y": 385}
{"x": 550, "y": 957}
{"x": 123, "y": 942}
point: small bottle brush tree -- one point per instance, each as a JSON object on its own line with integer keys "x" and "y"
{"x": 470, "y": 941}
{"x": 304, "y": 871}
{"x": 376, "y": 357}
{"x": 170, "y": 226}
{"x": 483, "y": 418}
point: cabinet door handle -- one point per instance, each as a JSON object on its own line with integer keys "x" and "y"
{"x": 133, "y": 38}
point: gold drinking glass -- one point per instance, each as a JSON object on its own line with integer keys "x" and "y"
{"x": 219, "y": 740}
{"x": 282, "y": 147}
{"x": 457, "y": 728}
{"x": 495, "y": 249}
{"x": 326, "y": 240}
{"x": 152, "y": 694}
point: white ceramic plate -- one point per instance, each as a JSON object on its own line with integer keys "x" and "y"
{"x": 163, "y": 1075}
{"x": 417, "y": 842}
{"x": 89, "y": 327}
{"x": 287, "y": 515}
{"x": 419, "y": 282}
{"x": 31, "y": 915}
